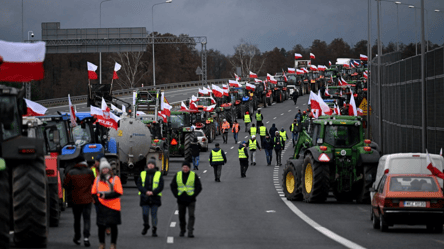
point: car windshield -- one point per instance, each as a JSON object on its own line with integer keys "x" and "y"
{"x": 413, "y": 184}
{"x": 81, "y": 136}
{"x": 198, "y": 134}
{"x": 281, "y": 83}
{"x": 62, "y": 132}
{"x": 178, "y": 121}
{"x": 342, "y": 135}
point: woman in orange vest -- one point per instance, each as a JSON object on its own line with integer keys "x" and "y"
{"x": 235, "y": 130}
{"x": 106, "y": 192}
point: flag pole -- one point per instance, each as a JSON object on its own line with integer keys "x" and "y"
{"x": 111, "y": 88}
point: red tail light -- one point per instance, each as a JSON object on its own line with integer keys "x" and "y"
{"x": 163, "y": 139}
{"x": 323, "y": 148}
{"x": 204, "y": 139}
{"x": 437, "y": 203}
{"x": 156, "y": 140}
{"x": 173, "y": 142}
{"x": 367, "y": 148}
{"x": 50, "y": 172}
{"x": 27, "y": 151}
{"x": 367, "y": 141}
{"x": 391, "y": 203}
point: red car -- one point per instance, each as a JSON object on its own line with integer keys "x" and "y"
{"x": 411, "y": 199}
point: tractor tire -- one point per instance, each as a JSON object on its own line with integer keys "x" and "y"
{"x": 315, "y": 180}
{"x": 4, "y": 208}
{"x": 208, "y": 133}
{"x": 30, "y": 202}
{"x": 251, "y": 107}
{"x": 243, "y": 109}
{"x": 189, "y": 137}
{"x": 238, "y": 111}
{"x": 115, "y": 166}
{"x": 233, "y": 115}
{"x": 363, "y": 192}
{"x": 54, "y": 206}
{"x": 291, "y": 182}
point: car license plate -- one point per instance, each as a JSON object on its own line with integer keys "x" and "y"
{"x": 414, "y": 204}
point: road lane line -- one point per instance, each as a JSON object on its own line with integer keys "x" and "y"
{"x": 289, "y": 110}
{"x": 274, "y": 118}
{"x": 303, "y": 104}
{"x": 170, "y": 240}
{"x": 173, "y": 224}
{"x": 282, "y": 114}
{"x": 231, "y": 148}
{"x": 268, "y": 122}
{"x": 176, "y": 212}
{"x": 205, "y": 171}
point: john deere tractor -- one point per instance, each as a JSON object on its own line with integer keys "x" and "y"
{"x": 331, "y": 154}
{"x": 181, "y": 134}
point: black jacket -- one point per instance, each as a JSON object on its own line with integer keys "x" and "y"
{"x": 184, "y": 198}
{"x": 245, "y": 152}
{"x": 273, "y": 130}
{"x": 195, "y": 149}
{"x": 153, "y": 199}
{"x": 267, "y": 144}
{"x": 217, "y": 163}
{"x": 277, "y": 143}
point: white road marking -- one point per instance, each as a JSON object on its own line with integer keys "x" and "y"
{"x": 282, "y": 114}
{"x": 267, "y": 122}
{"x": 271, "y": 211}
{"x": 173, "y": 224}
{"x": 176, "y": 212}
{"x": 289, "y": 110}
{"x": 246, "y": 136}
{"x": 225, "y": 153}
{"x": 297, "y": 106}
{"x": 274, "y": 118}
{"x": 281, "y": 195}
{"x": 205, "y": 171}
{"x": 304, "y": 104}
{"x": 170, "y": 240}
{"x": 231, "y": 148}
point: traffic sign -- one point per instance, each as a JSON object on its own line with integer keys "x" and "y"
{"x": 198, "y": 71}
{"x": 363, "y": 106}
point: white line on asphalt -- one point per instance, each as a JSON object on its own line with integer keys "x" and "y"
{"x": 303, "y": 104}
{"x": 173, "y": 224}
{"x": 297, "y": 106}
{"x": 289, "y": 110}
{"x": 176, "y": 212}
{"x": 341, "y": 240}
{"x": 281, "y": 195}
{"x": 170, "y": 240}
{"x": 246, "y": 136}
{"x": 205, "y": 171}
{"x": 267, "y": 122}
{"x": 231, "y": 148}
{"x": 282, "y": 114}
{"x": 274, "y": 118}
{"x": 225, "y": 153}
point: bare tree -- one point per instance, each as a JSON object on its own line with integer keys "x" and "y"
{"x": 248, "y": 57}
{"x": 133, "y": 70}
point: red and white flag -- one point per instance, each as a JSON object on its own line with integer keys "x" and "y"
{"x": 326, "y": 93}
{"x": 299, "y": 72}
{"x": 193, "y": 105}
{"x": 91, "y": 71}
{"x": 34, "y": 109}
{"x": 342, "y": 82}
{"x": 363, "y": 57}
{"x": 165, "y": 107}
{"x": 321, "y": 67}
{"x": 312, "y": 56}
{"x": 217, "y": 91}
{"x": 203, "y": 92}
{"x": 210, "y": 108}
{"x": 72, "y": 112}
{"x": 291, "y": 70}
{"x": 117, "y": 67}
{"x": 253, "y": 75}
{"x": 183, "y": 106}
{"x": 194, "y": 98}
{"x": 352, "y": 110}
{"x": 285, "y": 76}
{"x": 365, "y": 75}
{"x": 429, "y": 160}
{"x": 237, "y": 77}
{"x": 329, "y": 63}
{"x": 163, "y": 116}
{"x": 212, "y": 100}
{"x": 257, "y": 80}
{"x": 273, "y": 80}
{"x": 346, "y": 65}
{"x": 313, "y": 68}
{"x": 297, "y": 56}
{"x": 105, "y": 117}
{"x": 225, "y": 92}
{"x": 268, "y": 76}
{"x": 234, "y": 83}
{"x": 305, "y": 70}
{"x": 337, "y": 110}
{"x": 250, "y": 86}
{"x": 22, "y": 62}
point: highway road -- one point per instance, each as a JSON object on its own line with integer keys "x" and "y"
{"x": 249, "y": 212}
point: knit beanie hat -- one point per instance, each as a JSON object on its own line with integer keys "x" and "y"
{"x": 186, "y": 163}
{"x": 151, "y": 161}
{"x": 104, "y": 164}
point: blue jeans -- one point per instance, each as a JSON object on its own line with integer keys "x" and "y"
{"x": 195, "y": 161}
{"x": 146, "y": 211}
{"x": 294, "y": 137}
{"x": 235, "y": 136}
{"x": 269, "y": 155}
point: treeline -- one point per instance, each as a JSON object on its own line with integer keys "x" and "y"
{"x": 67, "y": 73}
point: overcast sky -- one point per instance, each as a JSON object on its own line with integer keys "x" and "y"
{"x": 266, "y": 23}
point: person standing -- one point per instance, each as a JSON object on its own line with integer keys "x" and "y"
{"x": 272, "y": 131}
{"x": 225, "y": 128}
{"x": 277, "y": 144}
{"x": 150, "y": 185}
{"x": 217, "y": 159}
{"x": 106, "y": 191}
{"x": 235, "y": 129}
{"x": 268, "y": 147}
{"x": 253, "y": 146}
{"x": 186, "y": 186}
{"x": 195, "y": 152}
{"x": 96, "y": 165}
{"x": 253, "y": 130}
{"x": 80, "y": 180}
{"x": 247, "y": 120}
{"x": 295, "y": 96}
{"x": 263, "y": 132}
{"x": 283, "y": 134}
{"x": 259, "y": 118}
{"x": 294, "y": 128}
{"x": 243, "y": 158}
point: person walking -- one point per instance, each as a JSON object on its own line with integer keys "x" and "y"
{"x": 247, "y": 120}
{"x": 272, "y": 131}
{"x": 150, "y": 185}
{"x": 106, "y": 192}
{"x": 298, "y": 116}
{"x": 225, "y": 128}
{"x": 277, "y": 144}
{"x": 294, "y": 96}
{"x": 283, "y": 134}
{"x": 259, "y": 118}
{"x": 80, "y": 180}
{"x": 186, "y": 186}
{"x": 253, "y": 146}
{"x": 243, "y": 158}
{"x": 195, "y": 152}
{"x": 235, "y": 129}
{"x": 96, "y": 165}
{"x": 294, "y": 129}
{"x": 253, "y": 130}
{"x": 268, "y": 147}
{"x": 263, "y": 132}
{"x": 217, "y": 159}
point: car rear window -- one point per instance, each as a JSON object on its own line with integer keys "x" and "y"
{"x": 198, "y": 134}
{"x": 413, "y": 184}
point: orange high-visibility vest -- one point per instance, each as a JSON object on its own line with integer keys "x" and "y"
{"x": 101, "y": 186}
{"x": 235, "y": 128}
{"x": 226, "y": 125}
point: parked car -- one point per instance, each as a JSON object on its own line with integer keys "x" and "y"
{"x": 201, "y": 139}
{"x": 411, "y": 199}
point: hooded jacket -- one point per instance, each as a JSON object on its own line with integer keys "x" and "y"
{"x": 79, "y": 181}
{"x": 272, "y": 130}
{"x": 245, "y": 152}
{"x": 195, "y": 148}
{"x": 153, "y": 199}
{"x": 267, "y": 144}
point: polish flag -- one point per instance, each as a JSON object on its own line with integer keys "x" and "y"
{"x": 312, "y": 56}
{"x": 299, "y": 72}
{"x": 193, "y": 105}
{"x": 114, "y": 108}
{"x": 250, "y": 86}
{"x": 234, "y": 83}
{"x": 217, "y": 91}
{"x": 352, "y": 111}
{"x": 305, "y": 70}
{"x": 164, "y": 117}
{"x": 183, "y": 106}
{"x": 34, "y": 109}
{"x": 225, "y": 87}
{"x": 257, "y": 80}
{"x": 21, "y": 62}
{"x": 268, "y": 76}
{"x": 329, "y": 63}
{"x": 352, "y": 65}
{"x": 337, "y": 110}
{"x": 342, "y": 82}
{"x": 273, "y": 80}
{"x": 318, "y": 103}
{"x": 365, "y": 75}
{"x": 356, "y": 63}
{"x": 253, "y": 75}
{"x": 363, "y": 57}
{"x": 194, "y": 98}
{"x": 117, "y": 67}
{"x": 203, "y": 92}
{"x": 72, "y": 112}
{"x": 297, "y": 56}
{"x": 104, "y": 117}
{"x": 237, "y": 77}
{"x": 313, "y": 68}
{"x": 225, "y": 92}
{"x": 213, "y": 101}
{"x": 326, "y": 92}
{"x": 210, "y": 108}
{"x": 92, "y": 71}
{"x": 165, "y": 107}
{"x": 346, "y": 65}
{"x": 313, "y": 102}
{"x": 340, "y": 93}
{"x": 321, "y": 67}
{"x": 291, "y": 70}
{"x": 285, "y": 76}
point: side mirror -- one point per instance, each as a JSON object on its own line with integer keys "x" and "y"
{"x": 372, "y": 189}
{"x": 7, "y": 114}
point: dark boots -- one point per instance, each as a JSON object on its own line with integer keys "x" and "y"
{"x": 154, "y": 231}
{"x": 145, "y": 229}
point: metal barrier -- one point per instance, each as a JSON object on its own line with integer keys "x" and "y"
{"x": 401, "y": 103}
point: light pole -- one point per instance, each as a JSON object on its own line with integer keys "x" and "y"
{"x": 100, "y": 53}
{"x": 22, "y": 20}
{"x": 416, "y": 42}
{"x": 32, "y": 34}
{"x": 397, "y": 20}
{"x": 152, "y": 31}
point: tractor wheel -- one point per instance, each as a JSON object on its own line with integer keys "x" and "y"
{"x": 30, "y": 202}
{"x": 208, "y": 133}
{"x": 189, "y": 137}
{"x": 291, "y": 181}
{"x": 238, "y": 111}
{"x": 243, "y": 109}
{"x": 4, "y": 209}
{"x": 166, "y": 162}
{"x": 363, "y": 192}
{"x": 115, "y": 166}
{"x": 315, "y": 180}
{"x": 54, "y": 206}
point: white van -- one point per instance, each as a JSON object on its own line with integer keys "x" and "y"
{"x": 406, "y": 163}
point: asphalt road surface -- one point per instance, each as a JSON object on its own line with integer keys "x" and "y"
{"x": 249, "y": 212}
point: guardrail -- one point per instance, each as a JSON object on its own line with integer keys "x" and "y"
{"x": 83, "y": 98}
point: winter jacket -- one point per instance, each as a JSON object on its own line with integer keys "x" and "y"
{"x": 79, "y": 181}
{"x": 257, "y": 145}
{"x": 107, "y": 216}
{"x": 267, "y": 144}
{"x": 184, "y": 198}
{"x": 154, "y": 199}
{"x": 277, "y": 144}
{"x": 298, "y": 117}
{"x": 273, "y": 130}
{"x": 195, "y": 149}
{"x": 217, "y": 163}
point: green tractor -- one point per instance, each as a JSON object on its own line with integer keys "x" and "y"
{"x": 331, "y": 154}
{"x": 181, "y": 134}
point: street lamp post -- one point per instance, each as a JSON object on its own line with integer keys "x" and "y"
{"x": 100, "y": 53}
{"x": 152, "y": 31}
{"x": 416, "y": 41}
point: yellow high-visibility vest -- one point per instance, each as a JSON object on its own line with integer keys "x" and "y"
{"x": 189, "y": 187}
{"x": 263, "y": 131}
{"x": 242, "y": 153}
{"x": 247, "y": 118}
{"x": 253, "y": 131}
{"x": 252, "y": 144}
{"x": 217, "y": 156}
{"x": 156, "y": 180}
{"x": 283, "y": 135}
{"x": 258, "y": 117}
